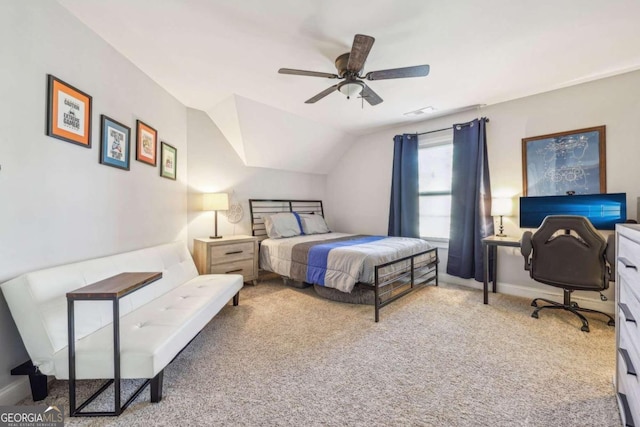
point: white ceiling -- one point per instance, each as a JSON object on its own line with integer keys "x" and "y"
{"x": 481, "y": 52}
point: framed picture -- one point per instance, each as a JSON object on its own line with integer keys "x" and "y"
{"x": 168, "y": 161}
{"x": 68, "y": 112}
{"x": 146, "y": 143}
{"x": 115, "y": 143}
{"x": 562, "y": 163}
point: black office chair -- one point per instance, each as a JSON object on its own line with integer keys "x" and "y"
{"x": 569, "y": 253}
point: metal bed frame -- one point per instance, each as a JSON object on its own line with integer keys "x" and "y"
{"x": 393, "y": 279}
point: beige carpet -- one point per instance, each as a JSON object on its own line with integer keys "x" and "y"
{"x": 438, "y": 357}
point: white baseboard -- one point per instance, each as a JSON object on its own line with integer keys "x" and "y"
{"x": 551, "y": 293}
{"x": 15, "y": 391}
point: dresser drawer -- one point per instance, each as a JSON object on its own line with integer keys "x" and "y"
{"x": 224, "y": 254}
{"x": 629, "y": 311}
{"x": 244, "y": 267}
{"x": 629, "y": 260}
{"x": 629, "y": 386}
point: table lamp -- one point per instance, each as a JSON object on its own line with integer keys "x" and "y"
{"x": 215, "y": 202}
{"x": 501, "y": 206}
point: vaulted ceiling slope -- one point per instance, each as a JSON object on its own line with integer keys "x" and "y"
{"x": 215, "y": 53}
{"x": 267, "y": 137}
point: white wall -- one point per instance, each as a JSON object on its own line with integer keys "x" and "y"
{"x": 358, "y": 187}
{"x": 58, "y": 203}
{"x": 215, "y": 166}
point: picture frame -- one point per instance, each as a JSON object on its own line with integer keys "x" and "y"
{"x": 168, "y": 161}
{"x": 115, "y": 143}
{"x": 68, "y": 112}
{"x": 146, "y": 143}
{"x": 571, "y": 162}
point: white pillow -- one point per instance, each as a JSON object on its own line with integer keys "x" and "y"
{"x": 314, "y": 224}
{"x": 282, "y": 225}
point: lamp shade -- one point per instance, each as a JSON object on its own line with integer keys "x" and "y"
{"x": 215, "y": 202}
{"x": 501, "y": 206}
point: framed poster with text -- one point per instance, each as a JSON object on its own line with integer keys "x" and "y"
{"x": 68, "y": 112}
{"x": 115, "y": 143}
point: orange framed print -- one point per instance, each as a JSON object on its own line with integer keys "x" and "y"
{"x": 146, "y": 143}
{"x": 68, "y": 112}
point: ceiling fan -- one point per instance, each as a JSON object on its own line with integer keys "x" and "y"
{"x": 350, "y": 65}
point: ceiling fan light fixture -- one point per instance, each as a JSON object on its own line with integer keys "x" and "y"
{"x": 350, "y": 89}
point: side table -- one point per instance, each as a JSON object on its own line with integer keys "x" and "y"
{"x": 111, "y": 289}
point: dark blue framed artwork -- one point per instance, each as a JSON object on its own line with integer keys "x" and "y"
{"x": 563, "y": 163}
{"x": 115, "y": 143}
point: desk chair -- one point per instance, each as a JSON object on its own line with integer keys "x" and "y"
{"x": 569, "y": 253}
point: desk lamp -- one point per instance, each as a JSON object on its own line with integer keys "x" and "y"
{"x": 501, "y": 206}
{"x": 215, "y": 202}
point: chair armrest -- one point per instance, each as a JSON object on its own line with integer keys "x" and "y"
{"x": 525, "y": 249}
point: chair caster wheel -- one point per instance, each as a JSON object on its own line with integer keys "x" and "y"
{"x": 584, "y": 328}
{"x": 534, "y": 315}
{"x": 534, "y": 304}
{"x": 611, "y": 322}
{"x": 574, "y": 305}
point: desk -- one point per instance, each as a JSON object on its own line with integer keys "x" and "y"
{"x": 491, "y": 243}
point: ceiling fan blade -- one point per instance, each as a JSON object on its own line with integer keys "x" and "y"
{"x": 321, "y": 94}
{"x": 370, "y": 96}
{"x": 307, "y": 73}
{"x": 399, "y": 73}
{"x": 359, "y": 52}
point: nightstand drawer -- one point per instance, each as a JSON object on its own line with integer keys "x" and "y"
{"x": 244, "y": 267}
{"x": 232, "y": 252}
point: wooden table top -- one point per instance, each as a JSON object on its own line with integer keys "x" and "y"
{"x": 115, "y": 287}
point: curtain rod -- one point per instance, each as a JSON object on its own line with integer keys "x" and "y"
{"x": 440, "y": 130}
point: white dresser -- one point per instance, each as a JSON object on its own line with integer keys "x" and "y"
{"x": 627, "y": 319}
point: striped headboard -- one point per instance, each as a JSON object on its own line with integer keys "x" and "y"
{"x": 260, "y": 207}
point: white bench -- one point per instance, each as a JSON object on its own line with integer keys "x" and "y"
{"x": 156, "y": 322}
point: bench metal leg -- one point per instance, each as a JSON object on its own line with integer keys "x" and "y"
{"x": 156, "y": 387}
{"x": 236, "y": 299}
{"x": 38, "y": 381}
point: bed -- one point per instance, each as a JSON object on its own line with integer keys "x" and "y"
{"x": 374, "y": 270}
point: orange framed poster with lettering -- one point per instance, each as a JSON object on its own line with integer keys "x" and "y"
{"x": 146, "y": 143}
{"x": 68, "y": 113}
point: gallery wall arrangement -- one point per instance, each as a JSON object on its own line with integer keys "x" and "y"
{"x": 69, "y": 113}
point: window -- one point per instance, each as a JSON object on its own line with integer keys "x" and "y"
{"x": 435, "y": 156}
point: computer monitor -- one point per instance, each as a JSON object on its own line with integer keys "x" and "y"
{"x": 603, "y": 210}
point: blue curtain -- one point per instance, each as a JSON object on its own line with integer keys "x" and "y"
{"x": 470, "y": 200}
{"x": 404, "y": 214}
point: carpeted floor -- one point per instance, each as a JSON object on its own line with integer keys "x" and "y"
{"x": 438, "y": 357}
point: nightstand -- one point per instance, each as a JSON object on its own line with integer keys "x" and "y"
{"x": 228, "y": 255}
